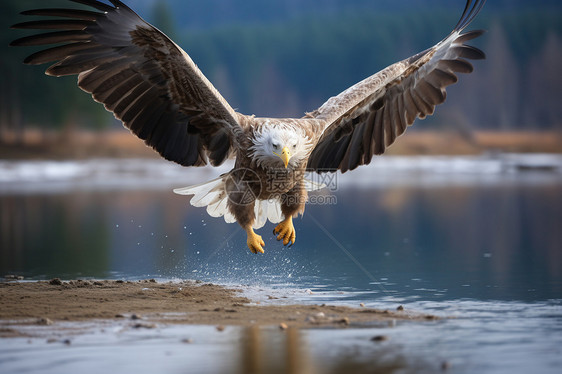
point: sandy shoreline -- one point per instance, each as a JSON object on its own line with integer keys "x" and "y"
{"x": 185, "y": 302}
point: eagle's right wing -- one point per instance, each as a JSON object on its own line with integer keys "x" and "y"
{"x": 141, "y": 76}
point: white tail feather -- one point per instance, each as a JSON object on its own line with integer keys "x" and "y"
{"x": 213, "y": 195}
{"x": 267, "y": 210}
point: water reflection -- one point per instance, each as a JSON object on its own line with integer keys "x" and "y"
{"x": 485, "y": 241}
{"x": 262, "y": 352}
{"x": 265, "y": 351}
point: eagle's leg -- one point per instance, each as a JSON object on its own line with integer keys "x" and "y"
{"x": 245, "y": 216}
{"x": 241, "y": 202}
{"x": 254, "y": 241}
{"x": 292, "y": 203}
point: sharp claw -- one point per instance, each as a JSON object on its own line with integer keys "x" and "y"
{"x": 285, "y": 232}
{"x": 255, "y": 242}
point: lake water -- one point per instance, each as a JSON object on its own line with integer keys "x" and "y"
{"x": 475, "y": 238}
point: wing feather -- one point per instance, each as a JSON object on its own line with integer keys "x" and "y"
{"x": 367, "y": 118}
{"x": 85, "y": 15}
{"x": 140, "y": 75}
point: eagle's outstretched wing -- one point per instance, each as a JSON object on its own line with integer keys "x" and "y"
{"x": 140, "y": 75}
{"x": 368, "y": 117}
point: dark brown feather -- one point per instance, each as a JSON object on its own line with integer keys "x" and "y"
{"x": 62, "y": 51}
{"x": 379, "y": 146}
{"x": 52, "y": 38}
{"x": 53, "y": 25}
{"x": 78, "y": 63}
{"x": 430, "y": 94}
{"x": 85, "y": 15}
{"x": 473, "y": 34}
{"x": 441, "y": 78}
{"x": 457, "y": 66}
{"x": 467, "y": 51}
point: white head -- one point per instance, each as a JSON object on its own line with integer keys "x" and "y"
{"x": 280, "y": 146}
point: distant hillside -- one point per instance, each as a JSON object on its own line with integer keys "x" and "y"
{"x": 211, "y": 13}
{"x": 285, "y": 57}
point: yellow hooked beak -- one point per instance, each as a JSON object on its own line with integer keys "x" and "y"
{"x": 285, "y": 156}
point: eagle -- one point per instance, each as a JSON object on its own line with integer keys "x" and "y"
{"x": 152, "y": 85}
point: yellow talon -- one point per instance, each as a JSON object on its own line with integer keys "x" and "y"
{"x": 286, "y": 231}
{"x": 255, "y": 242}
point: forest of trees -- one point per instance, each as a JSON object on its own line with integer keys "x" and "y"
{"x": 286, "y": 57}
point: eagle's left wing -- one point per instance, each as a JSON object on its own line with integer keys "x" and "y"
{"x": 368, "y": 117}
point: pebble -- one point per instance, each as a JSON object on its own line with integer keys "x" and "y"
{"x": 379, "y": 338}
{"x": 135, "y": 317}
{"x": 400, "y": 308}
{"x": 283, "y": 326}
{"x": 144, "y": 326}
{"x": 55, "y": 282}
{"x": 187, "y": 341}
{"x": 445, "y": 365}
{"x": 220, "y": 328}
{"x": 362, "y": 305}
{"x": 310, "y": 319}
{"x": 44, "y": 322}
{"x": 344, "y": 321}
{"x": 13, "y": 277}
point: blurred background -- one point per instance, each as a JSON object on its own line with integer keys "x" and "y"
{"x": 286, "y": 57}
{"x": 81, "y": 196}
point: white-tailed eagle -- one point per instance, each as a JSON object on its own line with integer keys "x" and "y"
{"x": 151, "y": 85}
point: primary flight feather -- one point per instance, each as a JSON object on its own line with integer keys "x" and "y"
{"x": 151, "y": 85}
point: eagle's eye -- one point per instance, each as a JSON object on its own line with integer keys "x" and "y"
{"x": 275, "y": 145}
{"x": 294, "y": 146}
